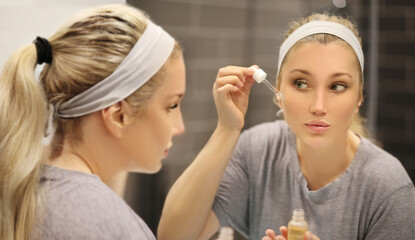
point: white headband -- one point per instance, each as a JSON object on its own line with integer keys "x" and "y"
{"x": 147, "y": 56}
{"x": 315, "y": 27}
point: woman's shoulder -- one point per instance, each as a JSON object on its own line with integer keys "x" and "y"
{"x": 265, "y": 126}
{"x": 380, "y": 168}
{"x": 265, "y": 141}
{"x": 379, "y": 159}
{"x": 62, "y": 185}
{"x": 267, "y": 131}
{"x": 81, "y": 201}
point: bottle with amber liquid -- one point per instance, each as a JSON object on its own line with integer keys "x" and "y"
{"x": 297, "y": 227}
{"x": 226, "y": 233}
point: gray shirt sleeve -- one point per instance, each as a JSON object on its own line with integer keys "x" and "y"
{"x": 231, "y": 203}
{"x": 395, "y": 217}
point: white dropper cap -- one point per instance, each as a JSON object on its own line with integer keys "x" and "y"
{"x": 259, "y": 75}
{"x": 298, "y": 215}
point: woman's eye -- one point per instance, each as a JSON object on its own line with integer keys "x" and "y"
{"x": 338, "y": 87}
{"x": 173, "y": 106}
{"x": 300, "y": 84}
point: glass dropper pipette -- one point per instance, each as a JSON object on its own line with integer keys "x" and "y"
{"x": 260, "y": 77}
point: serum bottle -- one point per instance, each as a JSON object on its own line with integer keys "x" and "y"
{"x": 226, "y": 233}
{"x": 297, "y": 227}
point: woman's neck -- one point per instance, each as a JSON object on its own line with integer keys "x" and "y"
{"x": 322, "y": 166}
{"x": 95, "y": 153}
{"x": 79, "y": 159}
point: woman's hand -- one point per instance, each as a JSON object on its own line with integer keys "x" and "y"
{"x": 231, "y": 94}
{"x": 270, "y": 235}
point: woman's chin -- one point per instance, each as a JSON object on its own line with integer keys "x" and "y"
{"x": 155, "y": 168}
{"x": 317, "y": 142}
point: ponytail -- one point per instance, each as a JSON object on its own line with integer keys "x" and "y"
{"x": 22, "y": 123}
{"x": 76, "y": 66}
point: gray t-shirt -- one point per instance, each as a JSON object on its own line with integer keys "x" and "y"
{"x": 78, "y": 205}
{"x": 262, "y": 185}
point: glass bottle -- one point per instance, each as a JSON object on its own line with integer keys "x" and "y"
{"x": 297, "y": 227}
{"x": 226, "y": 233}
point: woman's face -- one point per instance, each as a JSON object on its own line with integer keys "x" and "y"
{"x": 320, "y": 84}
{"x": 151, "y": 135}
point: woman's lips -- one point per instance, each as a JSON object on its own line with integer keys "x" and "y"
{"x": 166, "y": 153}
{"x": 317, "y": 126}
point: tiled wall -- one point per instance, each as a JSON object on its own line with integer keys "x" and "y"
{"x": 216, "y": 33}
{"x": 396, "y": 105}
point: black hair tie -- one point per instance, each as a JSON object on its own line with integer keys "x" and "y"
{"x": 43, "y": 49}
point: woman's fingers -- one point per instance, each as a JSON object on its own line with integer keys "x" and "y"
{"x": 270, "y": 233}
{"x": 224, "y": 90}
{"x": 237, "y": 76}
{"x": 229, "y": 79}
{"x": 240, "y": 72}
{"x": 231, "y": 94}
{"x": 284, "y": 231}
{"x": 248, "y": 84}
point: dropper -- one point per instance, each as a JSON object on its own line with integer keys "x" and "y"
{"x": 260, "y": 77}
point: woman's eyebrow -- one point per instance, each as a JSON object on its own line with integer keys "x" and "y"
{"x": 301, "y": 71}
{"x": 339, "y": 74}
{"x": 177, "y": 95}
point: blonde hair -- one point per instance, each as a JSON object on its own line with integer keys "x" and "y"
{"x": 357, "y": 125}
{"x": 85, "y": 50}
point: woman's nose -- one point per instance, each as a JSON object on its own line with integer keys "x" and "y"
{"x": 318, "y": 105}
{"x": 178, "y": 127}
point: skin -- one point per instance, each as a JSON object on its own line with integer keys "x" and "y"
{"x": 161, "y": 122}
{"x": 115, "y": 141}
{"x": 321, "y": 83}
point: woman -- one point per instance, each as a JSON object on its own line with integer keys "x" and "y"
{"x": 113, "y": 81}
{"x": 317, "y": 159}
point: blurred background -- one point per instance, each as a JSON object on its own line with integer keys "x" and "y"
{"x": 217, "y": 33}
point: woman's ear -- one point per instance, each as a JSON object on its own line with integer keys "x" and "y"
{"x": 116, "y": 117}
{"x": 359, "y": 103}
{"x": 278, "y": 101}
